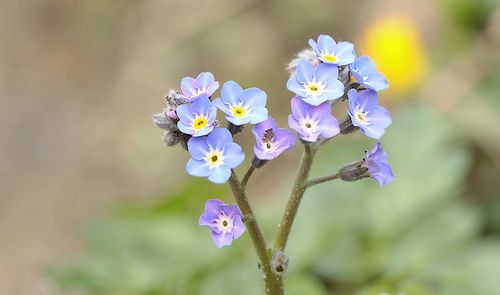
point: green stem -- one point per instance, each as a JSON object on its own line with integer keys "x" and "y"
{"x": 247, "y": 176}
{"x": 273, "y": 283}
{"x": 321, "y": 179}
{"x": 292, "y": 206}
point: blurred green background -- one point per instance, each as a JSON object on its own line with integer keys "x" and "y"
{"x": 92, "y": 202}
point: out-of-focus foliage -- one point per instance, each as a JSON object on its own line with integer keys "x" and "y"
{"x": 416, "y": 236}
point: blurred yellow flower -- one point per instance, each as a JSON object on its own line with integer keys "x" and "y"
{"x": 395, "y": 45}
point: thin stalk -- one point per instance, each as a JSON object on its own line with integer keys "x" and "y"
{"x": 247, "y": 176}
{"x": 296, "y": 196}
{"x": 321, "y": 179}
{"x": 273, "y": 283}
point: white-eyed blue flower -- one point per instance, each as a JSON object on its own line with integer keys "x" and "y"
{"x": 197, "y": 118}
{"x": 271, "y": 141}
{"x": 204, "y": 84}
{"x": 214, "y": 156}
{"x": 376, "y": 162}
{"x": 331, "y": 52}
{"x": 366, "y": 114}
{"x": 242, "y": 106}
{"x": 365, "y": 73}
{"x": 224, "y": 220}
{"x": 316, "y": 85}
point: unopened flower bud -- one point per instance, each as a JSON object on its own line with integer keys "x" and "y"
{"x": 258, "y": 163}
{"x": 172, "y": 137}
{"x": 279, "y": 262}
{"x": 354, "y": 171}
{"x": 307, "y": 54}
{"x": 347, "y": 127}
{"x": 174, "y": 99}
{"x": 234, "y": 129}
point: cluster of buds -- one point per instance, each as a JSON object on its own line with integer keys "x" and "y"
{"x": 320, "y": 77}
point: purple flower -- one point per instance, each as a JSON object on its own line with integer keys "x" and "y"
{"x": 204, "y": 84}
{"x": 224, "y": 221}
{"x": 197, "y": 118}
{"x": 271, "y": 140}
{"x": 331, "y": 52}
{"x": 365, "y": 73}
{"x": 366, "y": 114}
{"x": 214, "y": 156}
{"x": 242, "y": 106}
{"x": 376, "y": 162}
{"x": 316, "y": 84}
{"x": 311, "y": 122}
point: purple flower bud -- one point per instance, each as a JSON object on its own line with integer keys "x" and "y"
{"x": 204, "y": 84}
{"x": 365, "y": 73}
{"x": 242, "y": 106}
{"x": 224, "y": 221}
{"x": 316, "y": 85}
{"x": 366, "y": 114}
{"x": 331, "y": 52}
{"x": 312, "y": 122}
{"x": 271, "y": 140}
{"x": 214, "y": 156}
{"x": 197, "y": 118}
{"x": 376, "y": 162}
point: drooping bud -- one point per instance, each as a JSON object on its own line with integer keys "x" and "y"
{"x": 172, "y": 138}
{"x": 354, "y": 171}
{"x": 279, "y": 262}
{"x": 234, "y": 129}
{"x": 307, "y": 54}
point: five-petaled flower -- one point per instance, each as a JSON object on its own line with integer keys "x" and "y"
{"x": 365, "y": 73}
{"x": 316, "y": 85}
{"x": 224, "y": 221}
{"x": 271, "y": 140}
{"x": 197, "y": 118}
{"x": 331, "y": 52}
{"x": 312, "y": 122}
{"x": 242, "y": 106}
{"x": 376, "y": 162}
{"x": 204, "y": 84}
{"x": 214, "y": 156}
{"x": 366, "y": 114}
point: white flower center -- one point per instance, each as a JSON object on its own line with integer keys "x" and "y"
{"x": 269, "y": 146}
{"x": 225, "y": 223}
{"x": 309, "y": 126}
{"x": 214, "y": 158}
{"x": 361, "y": 116}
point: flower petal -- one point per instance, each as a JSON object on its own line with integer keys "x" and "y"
{"x": 211, "y": 213}
{"x": 218, "y": 138}
{"x": 220, "y": 174}
{"x": 304, "y": 72}
{"x": 231, "y": 93}
{"x": 233, "y": 155}
{"x": 189, "y": 86}
{"x": 197, "y": 168}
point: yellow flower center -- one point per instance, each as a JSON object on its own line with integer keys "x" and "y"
{"x": 213, "y": 159}
{"x": 330, "y": 58}
{"x": 361, "y": 116}
{"x": 313, "y": 87}
{"x": 199, "y": 123}
{"x": 238, "y": 111}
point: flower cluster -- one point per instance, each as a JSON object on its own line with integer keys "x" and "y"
{"x": 322, "y": 76}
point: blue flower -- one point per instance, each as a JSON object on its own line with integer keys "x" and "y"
{"x": 376, "y": 162}
{"x": 197, "y": 118}
{"x": 214, "y": 156}
{"x": 242, "y": 106}
{"x": 316, "y": 85}
{"x": 366, "y": 114}
{"x": 365, "y": 73}
{"x": 224, "y": 221}
{"x": 271, "y": 141}
{"x": 204, "y": 84}
{"x": 331, "y": 52}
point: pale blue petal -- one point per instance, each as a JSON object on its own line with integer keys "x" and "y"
{"x": 198, "y": 147}
{"x": 218, "y": 138}
{"x": 197, "y": 168}
{"x": 253, "y": 97}
{"x": 296, "y": 87}
{"x": 257, "y": 115}
{"x": 220, "y": 174}
{"x": 231, "y": 93}
{"x": 233, "y": 155}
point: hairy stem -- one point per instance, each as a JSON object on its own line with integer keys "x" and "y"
{"x": 297, "y": 193}
{"x": 273, "y": 283}
{"x": 247, "y": 176}
{"x": 322, "y": 179}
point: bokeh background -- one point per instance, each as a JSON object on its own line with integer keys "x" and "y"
{"x": 92, "y": 202}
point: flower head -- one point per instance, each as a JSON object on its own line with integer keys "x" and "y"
{"x": 376, "y": 162}
{"x": 316, "y": 85}
{"x": 365, "y": 73}
{"x": 366, "y": 114}
{"x": 242, "y": 106}
{"x": 204, "y": 84}
{"x": 197, "y": 118}
{"x": 331, "y": 52}
{"x": 271, "y": 140}
{"x": 312, "y": 122}
{"x": 224, "y": 221}
{"x": 214, "y": 156}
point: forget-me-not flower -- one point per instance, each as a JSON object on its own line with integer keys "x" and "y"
{"x": 331, "y": 52}
{"x": 214, "y": 156}
{"x": 365, "y": 73}
{"x": 316, "y": 85}
{"x": 242, "y": 106}
{"x": 197, "y": 118}
{"x": 204, "y": 84}
{"x": 224, "y": 221}
{"x": 366, "y": 114}
{"x": 376, "y": 162}
{"x": 271, "y": 141}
